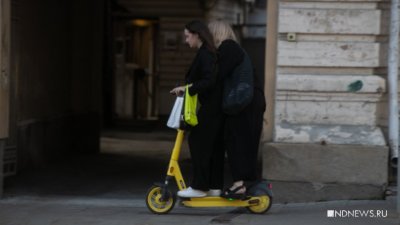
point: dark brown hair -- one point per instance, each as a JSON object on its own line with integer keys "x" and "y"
{"x": 201, "y": 29}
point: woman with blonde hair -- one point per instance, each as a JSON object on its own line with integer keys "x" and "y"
{"x": 243, "y": 130}
{"x": 221, "y": 31}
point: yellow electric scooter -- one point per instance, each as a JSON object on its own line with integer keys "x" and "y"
{"x": 161, "y": 200}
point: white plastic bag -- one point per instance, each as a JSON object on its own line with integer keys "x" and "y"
{"x": 175, "y": 117}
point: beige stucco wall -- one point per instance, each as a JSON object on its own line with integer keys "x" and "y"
{"x": 336, "y": 46}
{"x": 328, "y": 139}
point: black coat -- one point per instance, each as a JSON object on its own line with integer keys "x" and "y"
{"x": 206, "y": 138}
{"x": 230, "y": 54}
{"x": 202, "y": 74}
{"x": 242, "y": 131}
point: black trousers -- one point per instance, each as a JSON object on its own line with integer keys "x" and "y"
{"x": 207, "y": 151}
{"x": 242, "y": 138}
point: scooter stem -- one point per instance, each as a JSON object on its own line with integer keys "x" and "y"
{"x": 178, "y": 145}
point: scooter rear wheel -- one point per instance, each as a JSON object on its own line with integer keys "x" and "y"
{"x": 154, "y": 202}
{"x": 263, "y": 206}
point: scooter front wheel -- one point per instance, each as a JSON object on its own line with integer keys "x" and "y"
{"x": 158, "y": 205}
{"x": 263, "y": 206}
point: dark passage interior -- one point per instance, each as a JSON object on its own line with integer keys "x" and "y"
{"x": 89, "y": 83}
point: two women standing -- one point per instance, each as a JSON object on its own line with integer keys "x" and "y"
{"x": 238, "y": 134}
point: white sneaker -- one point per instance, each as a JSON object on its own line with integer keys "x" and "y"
{"x": 191, "y": 193}
{"x": 214, "y": 192}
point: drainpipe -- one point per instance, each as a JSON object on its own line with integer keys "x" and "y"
{"x": 393, "y": 59}
{"x": 392, "y": 82}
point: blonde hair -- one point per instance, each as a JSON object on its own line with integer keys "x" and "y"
{"x": 221, "y": 31}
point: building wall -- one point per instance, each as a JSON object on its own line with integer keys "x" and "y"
{"x": 173, "y": 57}
{"x": 56, "y": 69}
{"x": 330, "y": 88}
{"x": 173, "y": 60}
{"x": 5, "y": 20}
{"x": 228, "y": 10}
{"x": 327, "y": 83}
{"x": 157, "y": 8}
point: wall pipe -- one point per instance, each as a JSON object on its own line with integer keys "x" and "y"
{"x": 393, "y": 61}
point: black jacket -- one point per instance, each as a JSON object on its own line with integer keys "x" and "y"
{"x": 202, "y": 74}
{"x": 230, "y": 55}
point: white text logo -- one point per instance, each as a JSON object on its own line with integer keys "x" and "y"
{"x": 355, "y": 213}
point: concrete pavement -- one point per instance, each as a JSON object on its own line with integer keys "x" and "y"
{"x": 109, "y": 189}
{"x": 56, "y": 210}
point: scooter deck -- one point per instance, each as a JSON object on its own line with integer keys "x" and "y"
{"x": 220, "y": 202}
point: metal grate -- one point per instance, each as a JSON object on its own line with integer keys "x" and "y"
{"x": 10, "y": 161}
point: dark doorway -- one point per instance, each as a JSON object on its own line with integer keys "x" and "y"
{"x": 132, "y": 87}
{"x": 255, "y": 47}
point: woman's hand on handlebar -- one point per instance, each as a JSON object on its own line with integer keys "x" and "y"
{"x": 178, "y": 91}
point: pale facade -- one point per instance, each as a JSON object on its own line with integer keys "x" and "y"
{"x": 329, "y": 105}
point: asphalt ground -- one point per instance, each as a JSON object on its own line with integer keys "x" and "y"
{"x": 110, "y": 188}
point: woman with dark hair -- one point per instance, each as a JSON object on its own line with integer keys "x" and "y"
{"x": 206, "y": 138}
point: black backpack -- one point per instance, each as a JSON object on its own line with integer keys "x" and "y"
{"x": 238, "y": 87}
